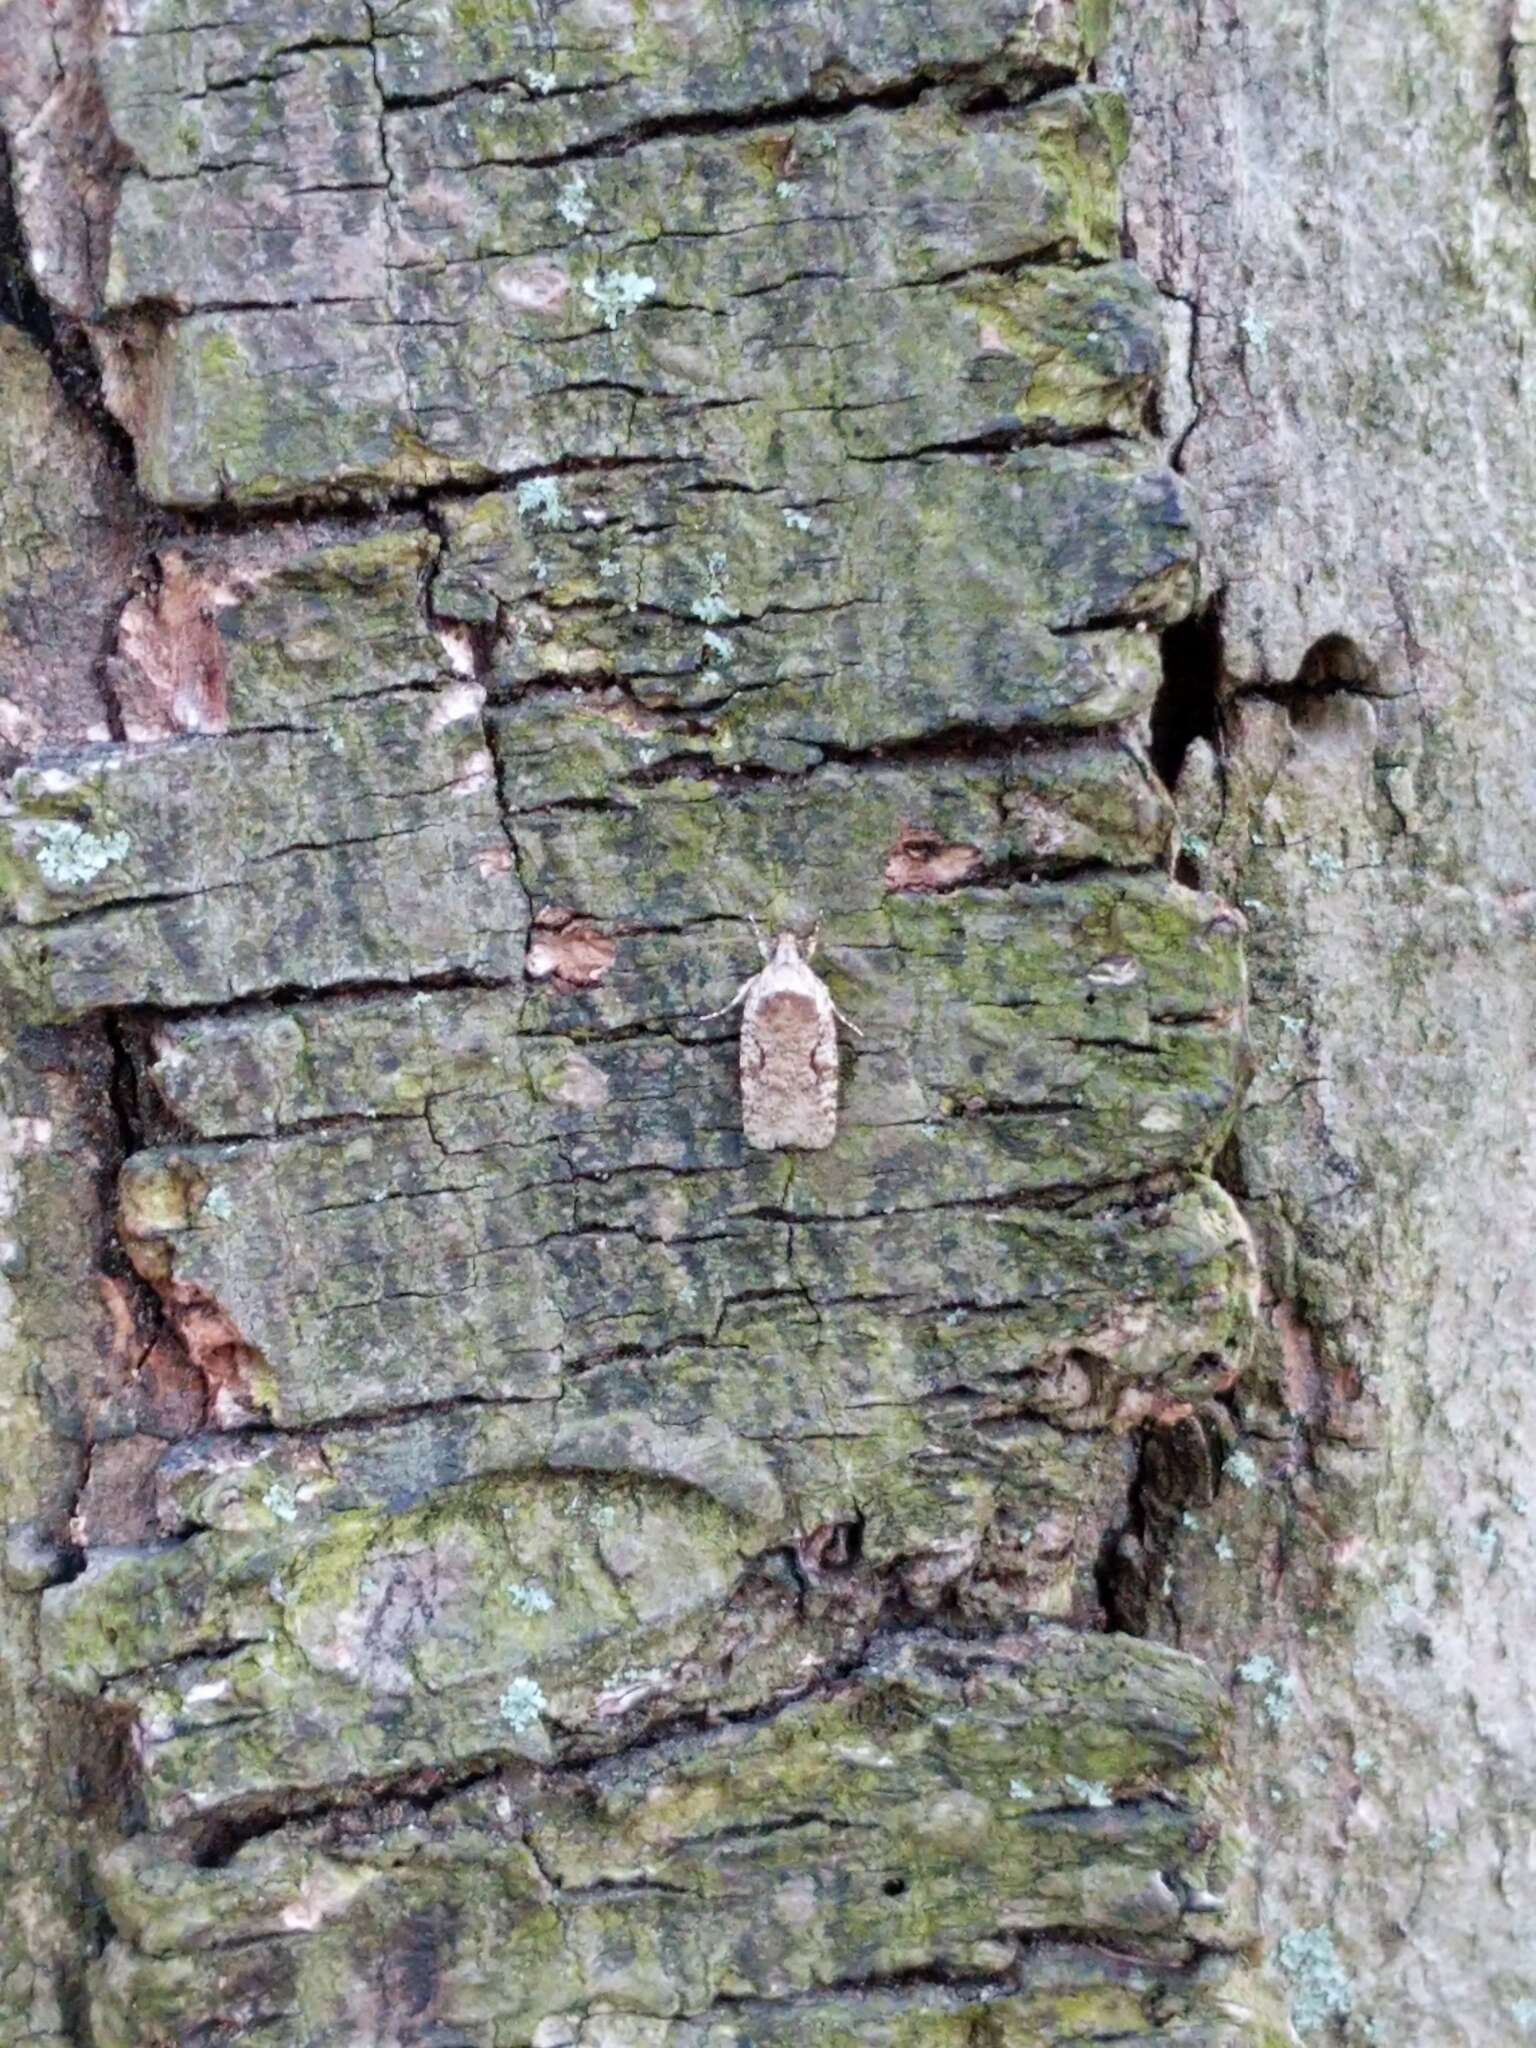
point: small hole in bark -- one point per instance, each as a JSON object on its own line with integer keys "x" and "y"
{"x": 1335, "y": 663}
{"x": 1227, "y": 1170}
{"x": 894, "y": 1887}
{"x": 1187, "y": 705}
{"x": 834, "y": 1547}
{"x": 992, "y": 99}
{"x": 1213, "y": 1372}
{"x": 106, "y": 1773}
{"x": 1334, "y": 666}
{"x": 921, "y": 860}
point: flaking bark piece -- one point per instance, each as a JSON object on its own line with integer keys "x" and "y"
{"x": 788, "y": 1051}
{"x": 568, "y": 950}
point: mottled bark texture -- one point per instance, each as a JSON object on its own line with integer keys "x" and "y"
{"x": 1341, "y": 198}
{"x": 497, "y": 496}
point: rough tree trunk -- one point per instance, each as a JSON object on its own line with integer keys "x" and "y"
{"x": 498, "y": 495}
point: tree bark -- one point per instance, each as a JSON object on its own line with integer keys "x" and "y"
{"x": 497, "y": 500}
{"x": 1341, "y": 198}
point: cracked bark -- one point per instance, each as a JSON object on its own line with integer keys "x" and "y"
{"x": 1357, "y": 778}
{"x": 489, "y": 1558}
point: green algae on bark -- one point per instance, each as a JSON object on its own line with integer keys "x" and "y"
{"x": 538, "y": 1573}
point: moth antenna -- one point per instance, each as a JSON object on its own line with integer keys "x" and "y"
{"x": 734, "y": 1004}
{"x": 813, "y": 940}
{"x": 757, "y": 933}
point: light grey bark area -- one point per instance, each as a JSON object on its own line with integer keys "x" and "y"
{"x": 1339, "y": 201}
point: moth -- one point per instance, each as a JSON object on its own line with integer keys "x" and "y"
{"x": 788, "y": 1050}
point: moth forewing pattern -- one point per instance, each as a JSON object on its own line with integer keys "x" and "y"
{"x": 788, "y": 1058}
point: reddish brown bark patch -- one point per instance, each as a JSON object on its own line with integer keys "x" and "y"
{"x": 1138, "y": 1405}
{"x": 233, "y": 1372}
{"x": 1300, "y": 1368}
{"x": 117, "y": 1502}
{"x": 923, "y": 861}
{"x": 568, "y": 950}
{"x": 147, "y": 1384}
{"x": 231, "y": 1368}
{"x": 1316, "y": 1386}
{"x": 168, "y": 670}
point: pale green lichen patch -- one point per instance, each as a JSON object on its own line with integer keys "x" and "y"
{"x": 530, "y": 1599}
{"x": 1321, "y": 1992}
{"x": 1243, "y": 1468}
{"x": 539, "y": 500}
{"x": 1088, "y": 1792}
{"x": 615, "y": 294}
{"x": 575, "y": 204}
{"x": 712, "y": 606}
{"x": 69, "y": 855}
{"x": 1278, "y": 1702}
{"x": 522, "y": 1705}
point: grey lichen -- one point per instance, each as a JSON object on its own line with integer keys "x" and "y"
{"x": 69, "y": 855}
{"x": 522, "y": 1705}
{"x": 1279, "y": 1700}
{"x": 712, "y": 607}
{"x": 617, "y": 293}
{"x": 1320, "y": 1989}
{"x": 1088, "y": 1792}
{"x": 539, "y": 500}
{"x": 530, "y": 1599}
{"x": 575, "y": 203}
{"x": 1279, "y": 1703}
{"x": 1244, "y": 1469}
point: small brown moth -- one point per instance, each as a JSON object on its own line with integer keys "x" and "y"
{"x": 788, "y": 1050}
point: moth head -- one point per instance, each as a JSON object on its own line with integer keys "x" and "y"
{"x": 789, "y": 950}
